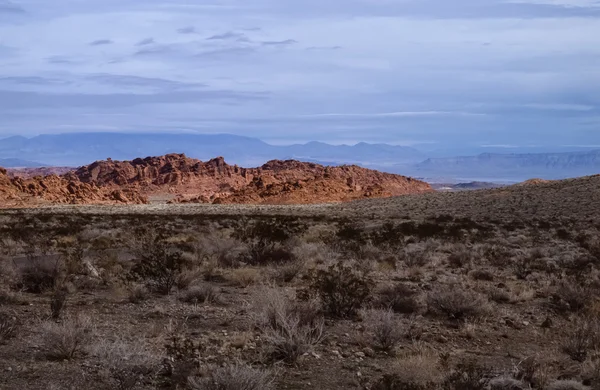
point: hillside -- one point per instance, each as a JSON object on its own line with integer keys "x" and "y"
{"x": 179, "y": 179}
{"x": 52, "y": 189}
{"x": 277, "y": 182}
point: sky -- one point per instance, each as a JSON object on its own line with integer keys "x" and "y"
{"x": 424, "y": 73}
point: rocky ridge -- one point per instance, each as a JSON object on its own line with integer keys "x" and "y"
{"x": 180, "y": 179}
{"x": 53, "y": 189}
{"x": 276, "y": 182}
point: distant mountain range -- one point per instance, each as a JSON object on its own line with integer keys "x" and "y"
{"x": 83, "y": 148}
{"x": 516, "y": 167}
{"x": 78, "y": 149}
{"x": 18, "y": 163}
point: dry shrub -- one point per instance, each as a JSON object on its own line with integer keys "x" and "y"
{"x": 416, "y": 256}
{"x": 186, "y": 278}
{"x": 386, "y": 330}
{"x": 456, "y": 303}
{"x": 9, "y": 274}
{"x": 417, "y": 371}
{"x": 400, "y": 298}
{"x": 467, "y": 375}
{"x": 205, "y": 293}
{"x": 9, "y": 298}
{"x": 125, "y": 364}
{"x": 570, "y": 296}
{"x": 290, "y": 328}
{"x": 482, "y": 274}
{"x": 533, "y": 371}
{"x": 245, "y": 277}
{"x": 233, "y": 377}
{"x": 223, "y": 250}
{"x": 461, "y": 256}
{"x": 8, "y": 326}
{"x": 498, "y": 255}
{"x": 137, "y": 293}
{"x": 57, "y": 303}
{"x": 342, "y": 289}
{"x": 582, "y": 339}
{"x": 156, "y": 263}
{"x": 506, "y": 383}
{"x": 567, "y": 385}
{"x": 39, "y": 276}
{"x": 66, "y": 339}
{"x": 314, "y": 253}
{"x": 499, "y": 295}
{"x": 285, "y": 273}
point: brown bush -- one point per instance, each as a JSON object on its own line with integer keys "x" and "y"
{"x": 67, "y": 339}
{"x": 461, "y": 256}
{"x": 482, "y": 274}
{"x": 8, "y": 326}
{"x": 233, "y": 377}
{"x": 290, "y": 329}
{"x": 343, "y": 290}
{"x": 456, "y": 303}
{"x": 385, "y": 329}
{"x": 583, "y": 338}
{"x": 201, "y": 294}
{"x": 570, "y": 296}
{"x": 137, "y": 293}
{"x": 567, "y": 385}
{"x": 400, "y": 298}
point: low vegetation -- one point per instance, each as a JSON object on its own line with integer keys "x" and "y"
{"x": 427, "y": 295}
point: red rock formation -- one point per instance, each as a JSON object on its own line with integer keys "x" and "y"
{"x": 276, "y": 182}
{"x": 182, "y": 179}
{"x": 52, "y": 189}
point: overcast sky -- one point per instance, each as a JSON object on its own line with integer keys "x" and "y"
{"x": 410, "y": 72}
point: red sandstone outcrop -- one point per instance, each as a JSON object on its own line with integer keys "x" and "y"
{"x": 276, "y": 182}
{"x": 52, "y": 189}
{"x": 180, "y": 179}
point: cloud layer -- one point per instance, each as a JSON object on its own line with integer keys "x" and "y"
{"x": 431, "y": 72}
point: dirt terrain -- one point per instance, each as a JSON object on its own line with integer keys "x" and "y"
{"x": 491, "y": 289}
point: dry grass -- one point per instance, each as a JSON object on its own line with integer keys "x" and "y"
{"x": 233, "y": 377}
{"x": 290, "y": 329}
{"x": 456, "y": 303}
{"x": 67, "y": 339}
{"x": 384, "y": 327}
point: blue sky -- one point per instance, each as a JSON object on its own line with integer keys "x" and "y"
{"x": 410, "y": 72}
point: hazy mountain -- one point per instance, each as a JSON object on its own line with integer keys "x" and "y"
{"x": 513, "y": 166}
{"x": 83, "y": 148}
{"x": 18, "y": 163}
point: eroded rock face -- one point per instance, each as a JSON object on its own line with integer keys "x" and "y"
{"x": 53, "y": 189}
{"x": 276, "y": 182}
{"x": 185, "y": 180}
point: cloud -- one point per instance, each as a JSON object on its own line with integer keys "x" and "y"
{"x": 463, "y": 72}
{"x": 324, "y": 48}
{"x": 279, "y": 43}
{"x": 35, "y": 100}
{"x": 10, "y": 8}
{"x": 101, "y": 42}
{"x": 144, "y": 42}
{"x": 230, "y": 35}
{"x": 30, "y": 80}
{"x": 138, "y": 81}
{"x": 397, "y": 114}
{"x": 187, "y": 30}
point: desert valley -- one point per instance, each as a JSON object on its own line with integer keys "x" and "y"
{"x": 169, "y": 272}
